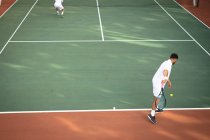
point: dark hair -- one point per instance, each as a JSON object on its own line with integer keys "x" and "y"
{"x": 174, "y": 56}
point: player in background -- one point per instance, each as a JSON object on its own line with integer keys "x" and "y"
{"x": 59, "y": 7}
{"x": 159, "y": 80}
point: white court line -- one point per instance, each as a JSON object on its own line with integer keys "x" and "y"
{"x": 18, "y": 27}
{"x": 191, "y": 14}
{"x": 8, "y": 9}
{"x": 56, "y": 41}
{"x": 99, "y": 110}
{"x": 149, "y": 40}
{"x": 90, "y": 41}
{"x": 182, "y": 28}
{"x": 99, "y": 16}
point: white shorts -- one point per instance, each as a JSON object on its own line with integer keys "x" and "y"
{"x": 156, "y": 88}
{"x": 58, "y": 6}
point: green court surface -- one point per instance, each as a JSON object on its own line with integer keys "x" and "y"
{"x": 100, "y": 57}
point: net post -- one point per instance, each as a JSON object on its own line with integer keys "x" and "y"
{"x": 195, "y": 3}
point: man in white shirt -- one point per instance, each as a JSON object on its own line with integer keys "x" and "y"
{"x": 59, "y": 7}
{"x": 159, "y": 80}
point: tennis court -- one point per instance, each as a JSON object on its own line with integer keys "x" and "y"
{"x": 66, "y": 74}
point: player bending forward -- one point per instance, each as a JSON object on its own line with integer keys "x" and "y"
{"x": 159, "y": 80}
{"x": 59, "y": 7}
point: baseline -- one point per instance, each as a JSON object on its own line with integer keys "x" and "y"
{"x": 96, "y": 110}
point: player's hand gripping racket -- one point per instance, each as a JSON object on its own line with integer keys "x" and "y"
{"x": 162, "y": 101}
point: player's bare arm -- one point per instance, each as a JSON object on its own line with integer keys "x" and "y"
{"x": 166, "y": 79}
{"x": 165, "y": 74}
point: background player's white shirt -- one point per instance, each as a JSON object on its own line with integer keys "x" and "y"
{"x": 58, "y": 1}
{"x": 58, "y": 4}
{"x": 158, "y": 77}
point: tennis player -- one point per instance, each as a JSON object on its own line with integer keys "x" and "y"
{"x": 159, "y": 80}
{"x": 59, "y": 7}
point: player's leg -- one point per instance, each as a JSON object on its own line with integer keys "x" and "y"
{"x": 151, "y": 116}
{"x": 154, "y": 103}
{"x": 61, "y": 9}
{"x": 57, "y": 9}
{"x": 156, "y": 92}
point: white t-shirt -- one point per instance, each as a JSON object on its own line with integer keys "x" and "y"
{"x": 58, "y": 1}
{"x": 158, "y": 77}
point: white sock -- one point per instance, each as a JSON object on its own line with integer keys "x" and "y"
{"x": 153, "y": 113}
{"x": 62, "y": 12}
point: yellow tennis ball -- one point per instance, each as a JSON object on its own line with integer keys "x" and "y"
{"x": 171, "y": 94}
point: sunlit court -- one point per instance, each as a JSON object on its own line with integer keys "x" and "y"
{"x": 84, "y": 71}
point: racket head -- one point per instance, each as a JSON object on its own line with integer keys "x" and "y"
{"x": 160, "y": 102}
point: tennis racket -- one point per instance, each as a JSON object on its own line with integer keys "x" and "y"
{"x": 162, "y": 100}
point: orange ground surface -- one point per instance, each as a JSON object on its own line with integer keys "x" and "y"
{"x": 128, "y": 125}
